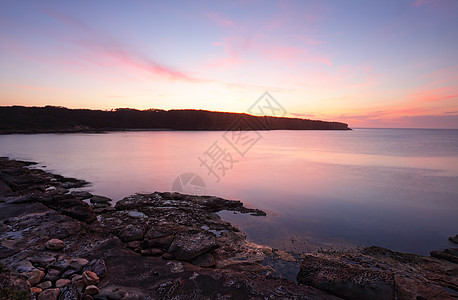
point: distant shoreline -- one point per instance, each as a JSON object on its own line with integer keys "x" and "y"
{"x": 51, "y": 119}
{"x": 101, "y": 131}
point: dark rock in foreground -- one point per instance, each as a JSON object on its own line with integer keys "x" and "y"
{"x": 379, "y": 273}
{"x": 158, "y": 246}
{"x": 169, "y": 245}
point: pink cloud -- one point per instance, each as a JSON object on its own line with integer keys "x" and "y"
{"x": 433, "y": 95}
{"x": 220, "y": 20}
{"x": 398, "y": 117}
{"x": 419, "y": 3}
{"x": 236, "y": 47}
{"x": 227, "y": 62}
{"x": 121, "y": 55}
{"x": 102, "y": 49}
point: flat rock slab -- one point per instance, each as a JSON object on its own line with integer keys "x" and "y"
{"x": 374, "y": 272}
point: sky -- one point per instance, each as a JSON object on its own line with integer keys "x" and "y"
{"x": 366, "y": 63}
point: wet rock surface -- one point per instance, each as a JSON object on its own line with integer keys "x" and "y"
{"x": 158, "y": 246}
{"x": 379, "y": 273}
{"x": 169, "y": 245}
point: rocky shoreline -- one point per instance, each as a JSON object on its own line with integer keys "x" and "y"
{"x": 57, "y": 242}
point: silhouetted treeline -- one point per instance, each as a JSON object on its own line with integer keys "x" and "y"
{"x": 14, "y": 119}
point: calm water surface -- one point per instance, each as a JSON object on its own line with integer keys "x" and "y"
{"x": 396, "y": 188}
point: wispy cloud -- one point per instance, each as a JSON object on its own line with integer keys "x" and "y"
{"x": 418, "y": 3}
{"x": 98, "y": 47}
{"x": 219, "y": 20}
{"x": 126, "y": 56}
{"x": 433, "y": 95}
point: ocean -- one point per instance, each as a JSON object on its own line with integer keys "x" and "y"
{"x": 395, "y": 188}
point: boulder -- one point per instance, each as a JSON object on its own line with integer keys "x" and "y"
{"x": 188, "y": 245}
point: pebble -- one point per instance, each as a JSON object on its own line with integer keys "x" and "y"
{"x": 91, "y": 290}
{"x": 90, "y": 277}
{"x": 35, "y": 277}
{"x": 55, "y": 244}
{"x": 45, "y": 285}
{"x": 62, "y": 282}
{"x": 50, "y": 294}
{"x": 35, "y": 290}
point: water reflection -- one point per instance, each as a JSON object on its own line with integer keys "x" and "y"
{"x": 393, "y": 188}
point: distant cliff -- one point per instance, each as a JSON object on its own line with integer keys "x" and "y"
{"x": 20, "y": 119}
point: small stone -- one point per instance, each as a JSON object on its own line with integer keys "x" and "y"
{"x": 454, "y": 239}
{"x": 151, "y": 252}
{"x": 45, "y": 285}
{"x": 91, "y": 290}
{"x": 35, "y": 290}
{"x": 35, "y": 277}
{"x": 90, "y": 277}
{"x": 50, "y": 294}
{"x": 55, "y": 244}
{"x": 62, "y": 282}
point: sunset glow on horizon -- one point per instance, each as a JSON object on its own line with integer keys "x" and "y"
{"x": 365, "y": 63}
